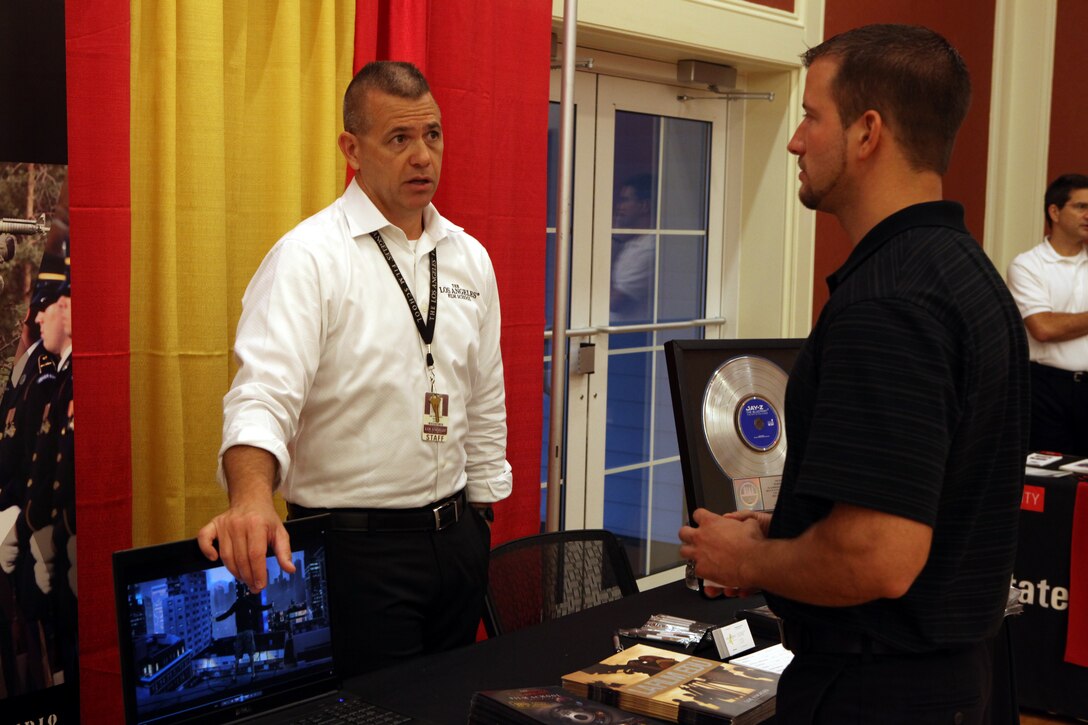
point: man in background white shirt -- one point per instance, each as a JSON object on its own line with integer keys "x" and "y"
{"x": 1050, "y": 285}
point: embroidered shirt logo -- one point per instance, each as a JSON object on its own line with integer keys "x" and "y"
{"x": 456, "y": 292}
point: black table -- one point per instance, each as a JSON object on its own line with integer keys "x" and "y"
{"x": 1044, "y": 680}
{"x": 439, "y": 687}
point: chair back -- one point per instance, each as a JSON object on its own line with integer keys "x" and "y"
{"x": 544, "y": 576}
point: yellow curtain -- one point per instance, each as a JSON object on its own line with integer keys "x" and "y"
{"x": 235, "y": 110}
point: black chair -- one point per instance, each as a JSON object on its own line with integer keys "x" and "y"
{"x": 545, "y": 576}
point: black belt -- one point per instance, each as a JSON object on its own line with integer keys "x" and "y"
{"x": 817, "y": 639}
{"x": 433, "y": 517}
{"x": 1077, "y": 376}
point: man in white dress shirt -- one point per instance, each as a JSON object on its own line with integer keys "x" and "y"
{"x": 1050, "y": 285}
{"x": 371, "y": 386}
{"x": 633, "y": 253}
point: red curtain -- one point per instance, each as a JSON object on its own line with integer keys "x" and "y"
{"x": 488, "y": 67}
{"x": 97, "y": 37}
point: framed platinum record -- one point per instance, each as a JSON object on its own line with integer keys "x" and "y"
{"x": 729, "y": 401}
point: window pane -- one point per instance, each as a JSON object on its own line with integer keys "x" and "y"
{"x": 631, "y": 298}
{"x": 625, "y": 512}
{"x": 665, "y": 443}
{"x": 682, "y": 280}
{"x": 634, "y": 222}
{"x": 658, "y": 274}
{"x": 669, "y": 513}
{"x": 635, "y": 171}
{"x": 685, "y": 172}
{"x": 624, "y": 340}
{"x": 633, "y": 271}
{"x": 627, "y": 438}
{"x": 684, "y": 333}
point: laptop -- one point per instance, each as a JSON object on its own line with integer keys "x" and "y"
{"x": 197, "y": 647}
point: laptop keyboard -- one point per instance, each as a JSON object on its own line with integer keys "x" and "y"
{"x": 353, "y": 712}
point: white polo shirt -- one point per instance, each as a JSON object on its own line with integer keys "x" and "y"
{"x": 1041, "y": 280}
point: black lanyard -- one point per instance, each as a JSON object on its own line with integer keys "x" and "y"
{"x": 426, "y": 329}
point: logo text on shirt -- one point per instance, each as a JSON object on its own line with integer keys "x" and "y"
{"x": 456, "y": 292}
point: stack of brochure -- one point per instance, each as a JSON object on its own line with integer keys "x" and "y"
{"x": 676, "y": 687}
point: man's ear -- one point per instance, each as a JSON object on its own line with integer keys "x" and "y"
{"x": 870, "y": 131}
{"x": 1053, "y": 212}
{"x": 349, "y": 146}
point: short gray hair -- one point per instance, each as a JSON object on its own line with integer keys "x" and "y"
{"x": 396, "y": 78}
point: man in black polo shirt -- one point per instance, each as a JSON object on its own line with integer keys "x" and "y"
{"x": 890, "y": 551}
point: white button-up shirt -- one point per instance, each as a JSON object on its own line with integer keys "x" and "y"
{"x": 1041, "y": 280}
{"x": 333, "y": 374}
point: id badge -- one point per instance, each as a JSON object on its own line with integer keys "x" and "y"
{"x": 436, "y": 417}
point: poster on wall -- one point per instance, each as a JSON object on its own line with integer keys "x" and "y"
{"x": 38, "y": 588}
{"x": 39, "y": 653}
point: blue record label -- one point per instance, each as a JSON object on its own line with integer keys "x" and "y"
{"x": 758, "y": 424}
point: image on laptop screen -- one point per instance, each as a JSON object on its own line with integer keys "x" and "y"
{"x": 197, "y": 645}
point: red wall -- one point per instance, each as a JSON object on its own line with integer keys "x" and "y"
{"x": 1068, "y": 152}
{"x": 968, "y": 25}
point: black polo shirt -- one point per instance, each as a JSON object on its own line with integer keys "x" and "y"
{"x": 911, "y": 397}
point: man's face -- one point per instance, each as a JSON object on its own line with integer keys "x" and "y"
{"x": 1070, "y": 223}
{"x": 820, "y": 140}
{"x": 630, "y": 211}
{"x": 399, "y": 156}
{"x": 52, "y": 323}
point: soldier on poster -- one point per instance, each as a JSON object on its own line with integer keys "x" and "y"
{"x": 27, "y": 392}
{"x": 38, "y": 647}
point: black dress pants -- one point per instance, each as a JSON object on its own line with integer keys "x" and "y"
{"x": 400, "y": 594}
{"x": 1059, "y": 411}
{"x": 950, "y": 688}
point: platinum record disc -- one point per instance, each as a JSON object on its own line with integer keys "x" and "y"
{"x": 743, "y": 417}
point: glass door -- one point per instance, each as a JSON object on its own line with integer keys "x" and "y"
{"x": 643, "y": 272}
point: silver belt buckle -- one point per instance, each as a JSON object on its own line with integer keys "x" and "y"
{"x": 437, "y": 510}
{"x": 1078, "y": 376}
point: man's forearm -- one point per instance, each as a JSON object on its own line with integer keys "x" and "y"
{"x": 250, "y": 472}
{"x": 853, "y": 556}
{"x": 1057, "y": 326}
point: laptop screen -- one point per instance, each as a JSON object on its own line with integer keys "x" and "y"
{"x": 197, "y": 646}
